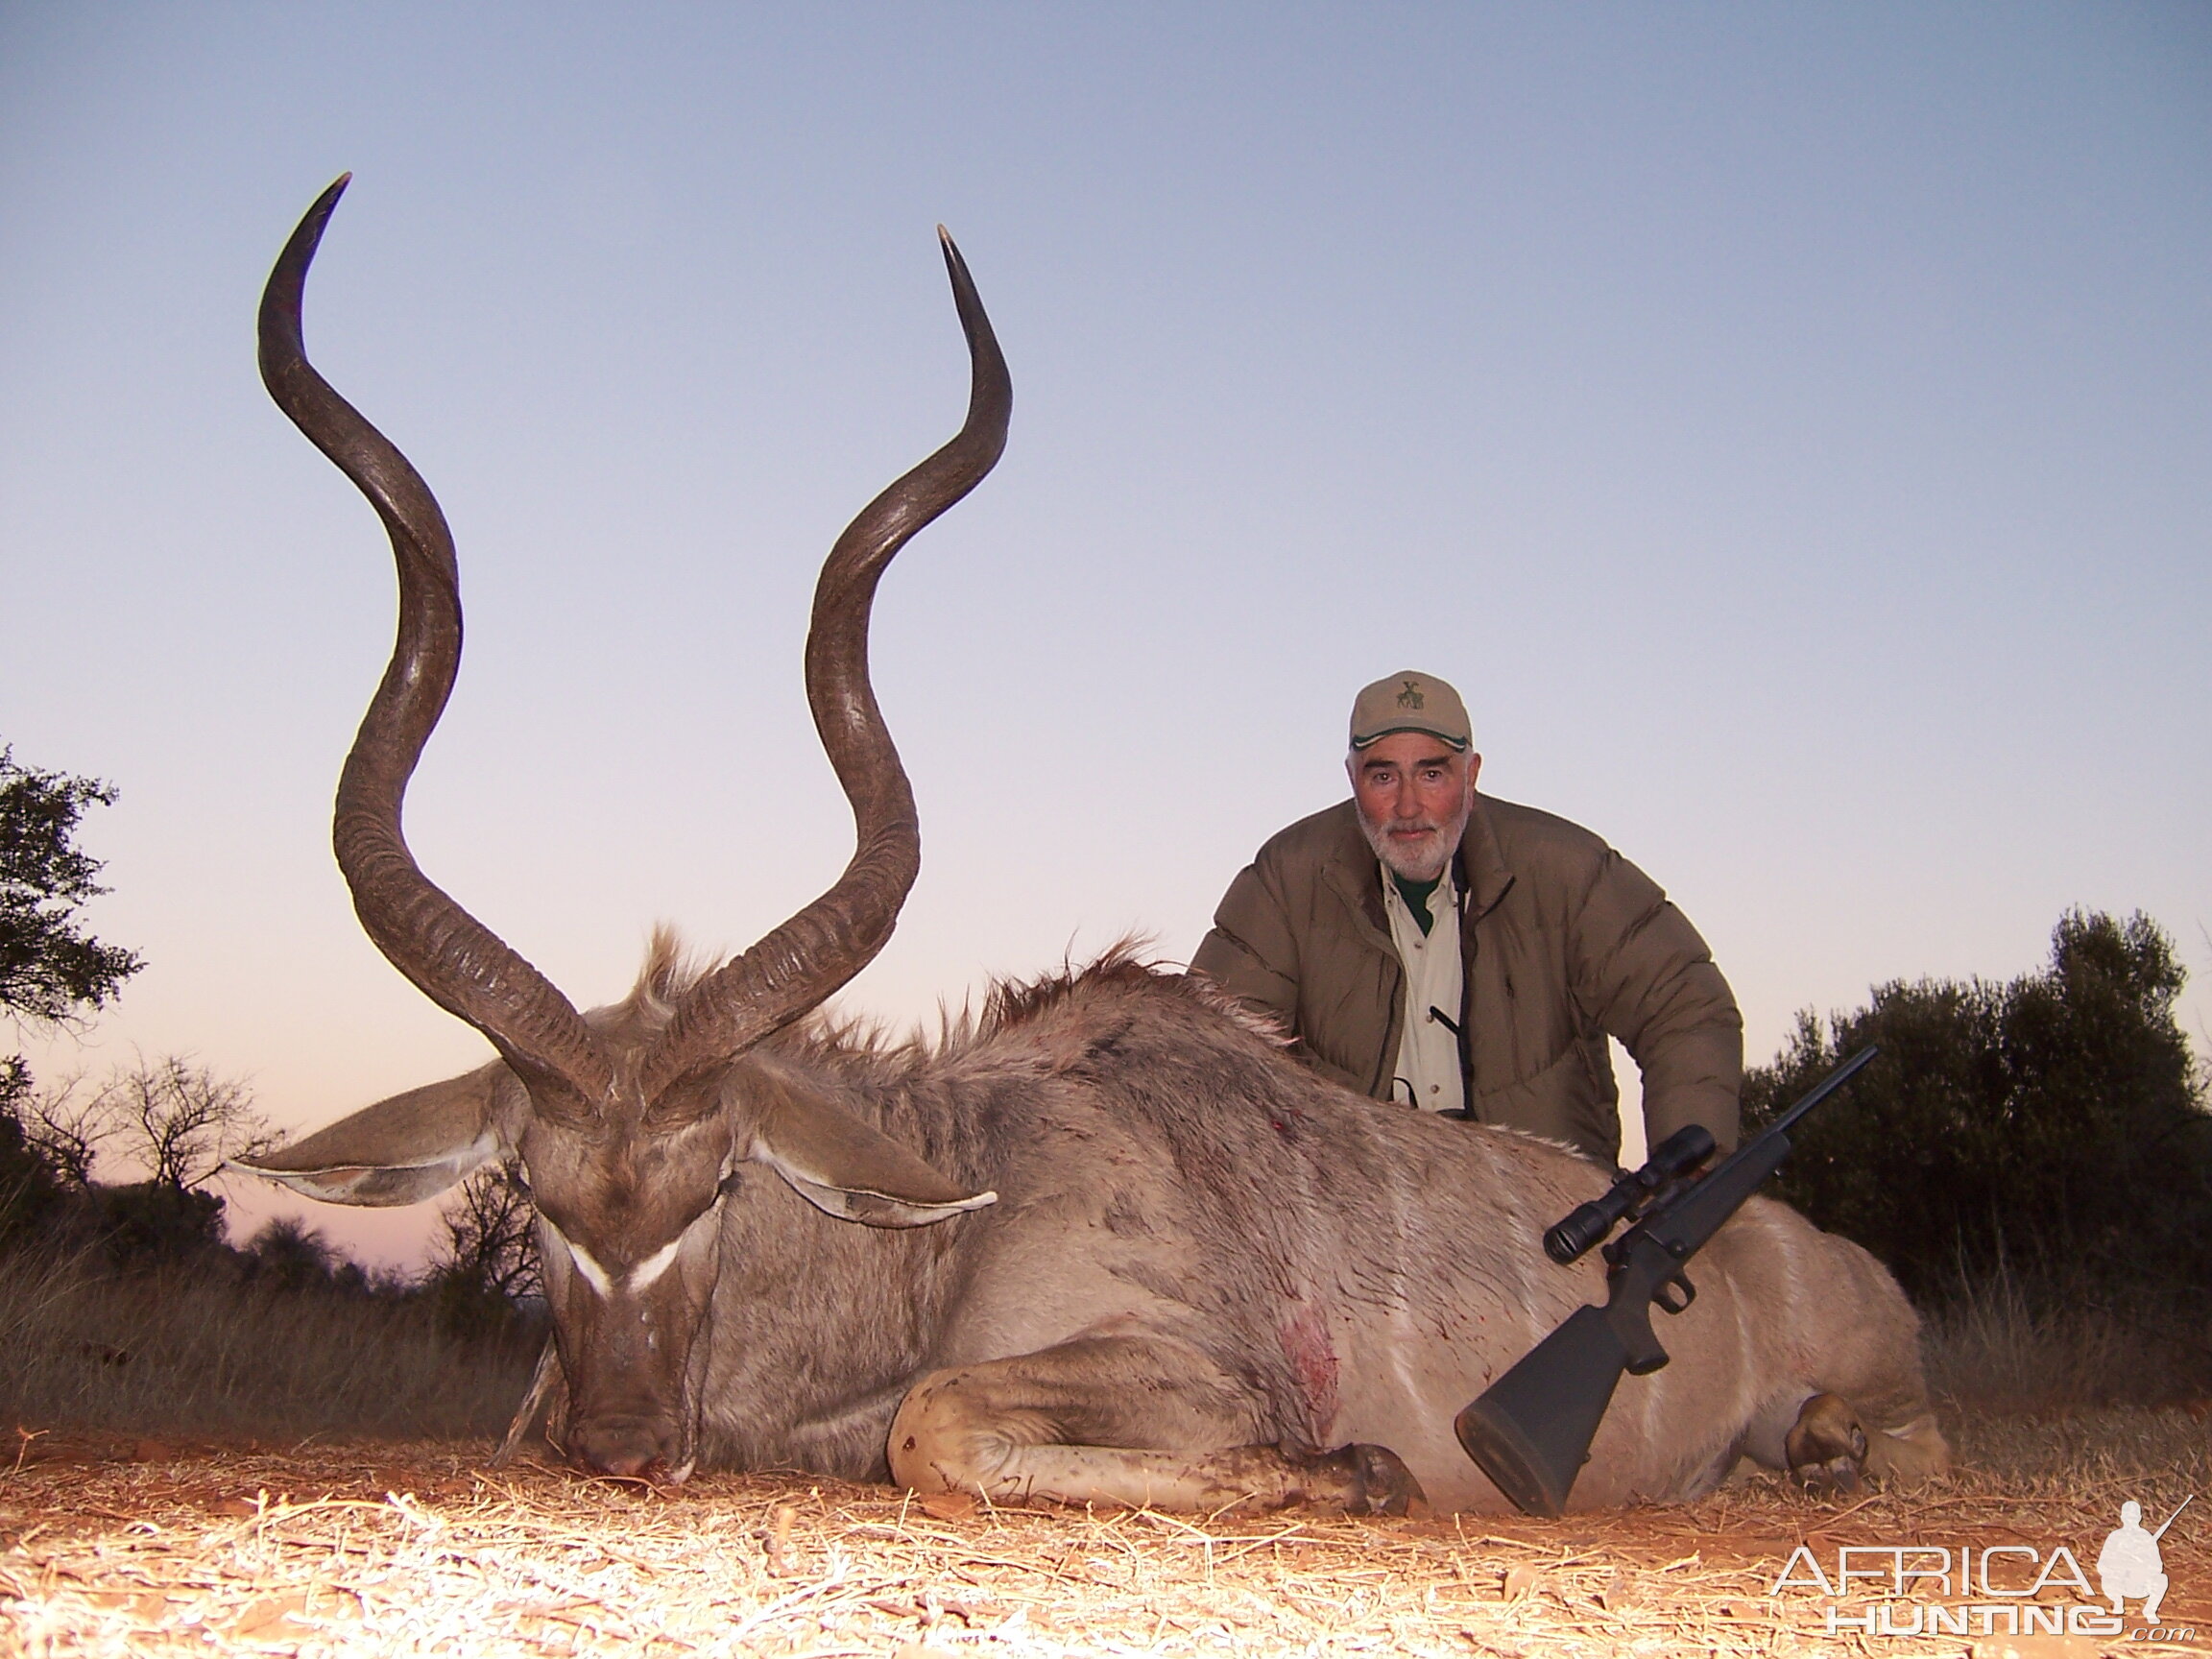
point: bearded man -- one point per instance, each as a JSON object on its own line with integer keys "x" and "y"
{"x": 1435, "y": 946}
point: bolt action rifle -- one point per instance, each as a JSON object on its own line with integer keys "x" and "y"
{"x": 1532, "y": 1429}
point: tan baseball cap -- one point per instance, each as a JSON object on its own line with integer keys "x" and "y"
{"x": 1410, "y": 701}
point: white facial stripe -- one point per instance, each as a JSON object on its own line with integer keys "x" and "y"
{"x": 594, "y": 1275}
{"x": 641, "y": 1277}
{"x": 655, "y": 1264}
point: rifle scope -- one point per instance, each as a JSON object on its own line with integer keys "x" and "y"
{"x": 1670, "y": 1160}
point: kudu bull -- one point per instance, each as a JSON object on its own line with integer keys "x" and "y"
{"x": 1106, "y": 1241}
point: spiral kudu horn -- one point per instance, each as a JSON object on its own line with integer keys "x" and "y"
{"x": 453, "y": 959}
{"x": 794, "y": 968}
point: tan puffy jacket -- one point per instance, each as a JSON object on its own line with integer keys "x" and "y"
{"x": 1564, "y": 941}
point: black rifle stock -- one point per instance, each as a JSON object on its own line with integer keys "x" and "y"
{"x": 1532, "y": 1429}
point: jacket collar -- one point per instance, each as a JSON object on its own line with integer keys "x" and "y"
{"x": 1351, "y": 868}
{"x": 1482, "y": 874}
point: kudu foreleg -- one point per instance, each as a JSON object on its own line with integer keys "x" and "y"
{"x": 1127, "y": 1421}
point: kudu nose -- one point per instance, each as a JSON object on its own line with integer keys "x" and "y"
{"x": 622, "y": 1445}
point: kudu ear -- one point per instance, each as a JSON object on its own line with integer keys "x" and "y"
{"x": 847, "y": 1170}
{"x": 407, "y": 1148}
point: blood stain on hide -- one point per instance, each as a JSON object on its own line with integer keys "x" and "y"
{"x": 1312, "y": 1357}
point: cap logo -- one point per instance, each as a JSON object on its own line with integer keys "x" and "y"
{"x": 1410, "y": 697}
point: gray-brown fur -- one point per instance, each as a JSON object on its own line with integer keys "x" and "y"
{"x": 1188, "y": 1219}
{"x": 1178, "y": 1167}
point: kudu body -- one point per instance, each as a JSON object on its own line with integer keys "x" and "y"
{"x": 1106, "y": 1242}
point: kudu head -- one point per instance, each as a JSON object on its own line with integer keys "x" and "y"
{"x": 627, "y": 1124}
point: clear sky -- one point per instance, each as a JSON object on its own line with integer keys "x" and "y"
{"x": 1791, "y": 426}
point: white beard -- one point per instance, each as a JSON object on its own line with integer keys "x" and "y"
{"x": 1423, "y": 859}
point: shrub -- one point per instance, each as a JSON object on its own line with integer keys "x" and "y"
{"x": 2051, "y": 1128}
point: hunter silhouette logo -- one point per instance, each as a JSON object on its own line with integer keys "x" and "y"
{"x": 2129, "y": 1563}
{"x": 1410, "y": 697}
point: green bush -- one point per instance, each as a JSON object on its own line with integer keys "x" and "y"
{"x": 2049, "y": 1129}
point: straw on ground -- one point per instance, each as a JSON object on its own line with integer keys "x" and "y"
{"x": 108, "y": 1547}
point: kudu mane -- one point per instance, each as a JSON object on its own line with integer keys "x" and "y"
{"x": 838, "y": 1038}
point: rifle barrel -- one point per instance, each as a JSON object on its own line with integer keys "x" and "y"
{"x": 1826, "y": 1087}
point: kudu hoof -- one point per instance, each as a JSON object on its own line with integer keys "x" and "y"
{"x": 1373, "y": 1482}
{"x": 1827, "y": 1447}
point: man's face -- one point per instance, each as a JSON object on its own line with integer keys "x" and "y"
{"x": 1413, "y": 792}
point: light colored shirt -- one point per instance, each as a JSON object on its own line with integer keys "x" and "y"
{"x": 1427, "y": 1073}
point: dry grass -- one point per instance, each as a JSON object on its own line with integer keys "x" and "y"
{"x": 2045, "y": 1456}
{"x": 1995, "y": 1349}
{"x": 112, "y": 1544}
{"x": 183, "y": 1350}
{"x": 392, "y": 1549}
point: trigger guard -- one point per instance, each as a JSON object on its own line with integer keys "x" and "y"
{"x": 1675, "y": 1294}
